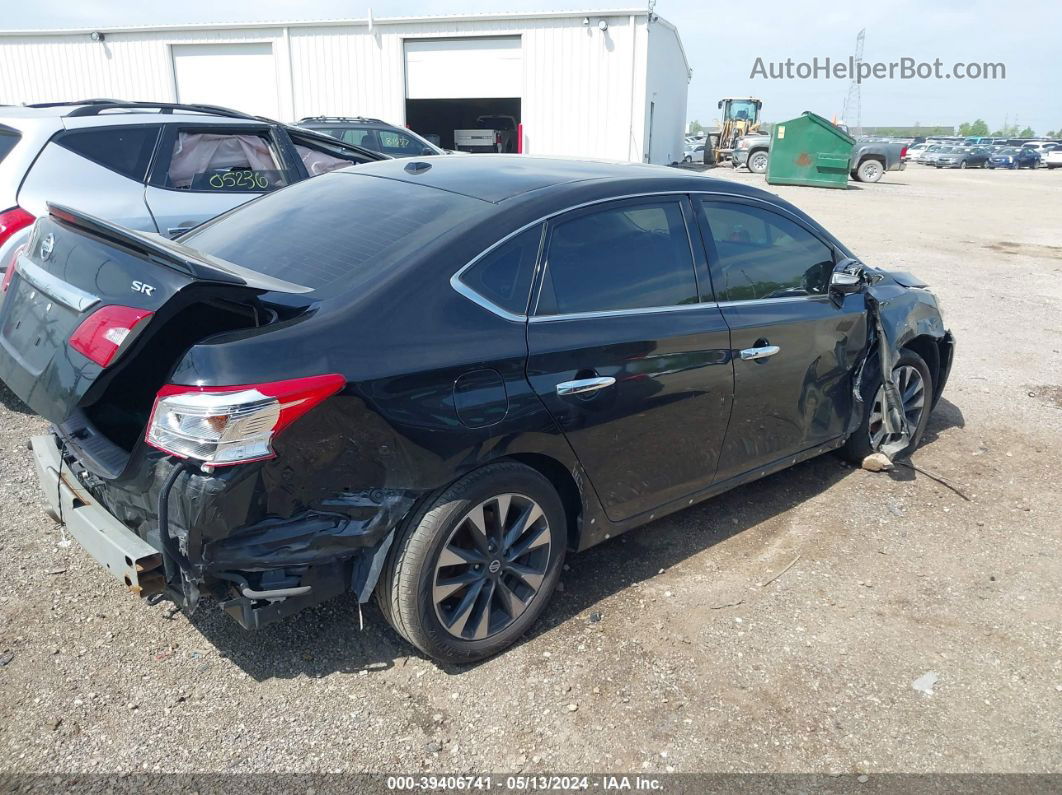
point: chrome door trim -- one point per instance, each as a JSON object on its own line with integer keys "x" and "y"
{"x": 55, "y": 288}
{"x": 466, "y": 291}
{"x": 762, "y": 352}
{"x": 785, "y": 300}
{"x": 581, "y": 386}
{"x": 645, "y": 310}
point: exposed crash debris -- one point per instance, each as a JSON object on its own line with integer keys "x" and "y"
{"x": 925, "y": 683}
{"x": 877, "y": 462}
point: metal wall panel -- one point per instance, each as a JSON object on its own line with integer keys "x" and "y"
{"x": 584, "y": 89}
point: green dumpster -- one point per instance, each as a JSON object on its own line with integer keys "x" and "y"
{"x": 808, "y": 150}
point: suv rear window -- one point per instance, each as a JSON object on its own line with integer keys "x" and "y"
{"x": 8, "y": 139}
{"x": 342, "y": 229}
{"x": 204, "y": 160}
{"x": 125, "y": 150}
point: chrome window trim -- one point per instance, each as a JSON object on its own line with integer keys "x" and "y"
{"x": 642, "y": 310}
{"x": 782, "y": 300}
{"x": 463, "y": 289}
{"x": 52, "y": 286}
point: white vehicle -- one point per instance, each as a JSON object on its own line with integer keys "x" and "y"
{"x": 155, "y": 167}
{"x": 1053, "y": 159}
{"x": 492, "y": 134}
{"x": 913, "y": 152}
{"x": 694, "y": 153}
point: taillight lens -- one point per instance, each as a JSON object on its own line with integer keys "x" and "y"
{"x": 226, "y": 425}
{"x": 12, "y": 221}
{"x": 9, "y": 272}
{"x": 903, "y": 153}
{"x": 101, "y": 335}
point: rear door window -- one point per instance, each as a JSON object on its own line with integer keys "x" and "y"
{"x": 8, "y": 139}
{"x": 627, "y": 256}
{"x": 225, "y": 162}
{"x": 503, "y": 275}
{"x": 124, "y": 150}
{"x": 320, "y": 157}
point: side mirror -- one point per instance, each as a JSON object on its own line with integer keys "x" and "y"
{"x": 847, "y": 278}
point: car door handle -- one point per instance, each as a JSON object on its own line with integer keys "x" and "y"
{"x": 583, "y": 385}
{"x": 761, "y": 352}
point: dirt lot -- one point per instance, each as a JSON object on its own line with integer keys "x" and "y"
{"x": 665, "y": 650}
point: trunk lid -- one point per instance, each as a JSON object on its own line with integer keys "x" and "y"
{"x": 74, "y": 266}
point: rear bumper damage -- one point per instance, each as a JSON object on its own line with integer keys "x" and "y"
{"x": 178, "y": 533}
{"x": 124, "y": 554}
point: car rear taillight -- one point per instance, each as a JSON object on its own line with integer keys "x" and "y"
{"x": 9, "y": 272}
{"x": 903, "y": 153}
{"x": 498, "y": 138}
{"x": 12, "y": 221}
{"x": 226, "y": 425}
{"x": 101, "y": 334}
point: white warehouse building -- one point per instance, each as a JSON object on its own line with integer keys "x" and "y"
{"x": 603, "y": 84}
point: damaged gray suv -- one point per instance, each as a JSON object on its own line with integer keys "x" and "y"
{"x": 431, "y": 379}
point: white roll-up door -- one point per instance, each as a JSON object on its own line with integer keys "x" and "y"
{"x": 239, "y": 76}
{"x": 464, "y": 68}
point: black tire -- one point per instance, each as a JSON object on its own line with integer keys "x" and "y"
{"x": 404, "y": 592}
{"x": 871, "y": 170}
{"x": 757, "y": 161}
{"x": 858, "y": 445}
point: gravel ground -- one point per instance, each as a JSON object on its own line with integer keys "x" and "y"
{"x": 667, "y": 649}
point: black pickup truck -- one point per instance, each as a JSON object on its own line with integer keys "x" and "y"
{"x": 870, "y": 159}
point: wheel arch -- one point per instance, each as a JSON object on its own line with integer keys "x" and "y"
{"x": 561, "y": 478}
{"x": 928, "y": 347}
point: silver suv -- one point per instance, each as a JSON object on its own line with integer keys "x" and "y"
{"x": 161, "y": 168}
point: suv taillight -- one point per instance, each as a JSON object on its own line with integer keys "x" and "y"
{"x": 102, "y": 334}
{"x": 9, "y": 272}
{"x": 226, "y": 425}
{"x": 12, "y": 221}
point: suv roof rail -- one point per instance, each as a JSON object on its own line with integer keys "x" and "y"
{"x": 93, "y": 107}
{"x": 341, "y": 118}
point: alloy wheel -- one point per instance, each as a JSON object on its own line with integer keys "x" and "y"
{"x": 912, "y": 391}
{"x": 492, "y": 566}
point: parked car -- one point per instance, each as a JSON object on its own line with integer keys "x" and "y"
{"x": 963, "y": 157}
{"x": 432, "y": 380}
{"x": 924, "y": 156}
{"x": 372, "y": 134}
{"x": 491, "y": 134}
{"x": 694, "y": 153}
{"x": 931, "y": 156}
{"x": 1054, "y": 158}
{"x": 914, "y": 151}
{"x": 161, "y": 168}
{"x": 1014, "y": 157}
{"x": 1040, "y": 147}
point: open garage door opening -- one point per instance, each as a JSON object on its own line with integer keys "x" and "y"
{"x": 470, "y": 86}
{"x": 438, "y": 120}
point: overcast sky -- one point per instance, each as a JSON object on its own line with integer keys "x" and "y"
{"x": 723, "y": 40}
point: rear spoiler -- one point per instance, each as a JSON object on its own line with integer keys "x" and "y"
{"x": 161, "y": 251}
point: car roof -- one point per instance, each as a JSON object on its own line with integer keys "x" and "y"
{"x": 91, "y": 113}
{"x": 495, "y": 178}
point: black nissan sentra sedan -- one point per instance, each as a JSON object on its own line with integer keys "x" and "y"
{"x": 432, "y": 379}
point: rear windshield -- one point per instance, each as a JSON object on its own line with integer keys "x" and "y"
{"x": 338, "y": 230}
{"x": 8, "y": 139}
